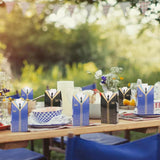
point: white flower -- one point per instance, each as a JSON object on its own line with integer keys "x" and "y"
{"x": 116, "y": 70}
{"x": 98, "y": 74}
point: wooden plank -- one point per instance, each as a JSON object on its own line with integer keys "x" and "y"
{"x": 11, "y": 145}
{"x": 57, "y": 149}
{"x": 8, "y": 136}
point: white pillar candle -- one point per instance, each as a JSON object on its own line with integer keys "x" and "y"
{"x": 67, "y": 89}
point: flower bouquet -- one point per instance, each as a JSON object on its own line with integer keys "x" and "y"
{"x": 110, "y": 81}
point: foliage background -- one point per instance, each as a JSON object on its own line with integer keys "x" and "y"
{"x": 42, "y": 53}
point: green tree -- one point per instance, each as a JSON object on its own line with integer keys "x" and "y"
{"x": 87, "y": 45}
{"x": 33, "y": 39}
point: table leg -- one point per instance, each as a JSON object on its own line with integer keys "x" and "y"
{"x": 32, "y": 145}
{"x": 127, "y": 135}
{"x": 46, "y": 151}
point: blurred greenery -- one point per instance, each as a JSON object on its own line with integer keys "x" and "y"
{"x": 39, "y": 42}
{"x": 38, "y": 79}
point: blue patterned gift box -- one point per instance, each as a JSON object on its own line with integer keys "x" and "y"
{"x": 80, "y": 110}
{"x": 145, "y": 99}
{"x": 27, "y": 93}
{"x": 19, "y": 116}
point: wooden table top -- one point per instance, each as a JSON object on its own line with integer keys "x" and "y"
{"x": 8, "y": 136}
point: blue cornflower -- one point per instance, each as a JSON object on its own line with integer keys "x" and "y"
{"x": 103, "y": 81}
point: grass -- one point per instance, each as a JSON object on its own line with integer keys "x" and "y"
{"x": 38, "y": 147}
{"x": 138, "y": 135}
{"x": 134, "y": 135}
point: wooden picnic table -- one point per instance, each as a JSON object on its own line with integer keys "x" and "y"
{"x": 8, "y": 137}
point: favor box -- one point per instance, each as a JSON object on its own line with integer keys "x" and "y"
{"x": 109, "y": 108}
{"x": 53, "y": 98}
{"x": 27, "y": 93}
{"x": 124, "y": 93}
{"x": 145, "y": 99}
{"x": 80, "y": 110}
{"x": 19, "y": 116}
{"x": 156, "y": 106}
